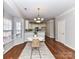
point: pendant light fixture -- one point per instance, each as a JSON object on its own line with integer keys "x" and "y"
{"x": 38, "y": 19}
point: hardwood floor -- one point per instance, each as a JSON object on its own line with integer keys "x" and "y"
{"x": 59, "y": 50}
{"x": 15, "y": 52}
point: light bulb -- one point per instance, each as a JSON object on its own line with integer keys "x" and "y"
{"x": 38, "y": 18}
{"x": 42, "y": 19}
{"x": 34, "y": 19}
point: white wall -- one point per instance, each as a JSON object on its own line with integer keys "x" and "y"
{"x": 69, "y": 17}
{"x": 50, "y": 28}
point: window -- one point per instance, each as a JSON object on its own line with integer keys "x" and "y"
{"x": 18, "y": 29}
{"x": 7, "y": 30}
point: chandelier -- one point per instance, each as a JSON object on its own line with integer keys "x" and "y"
{"x": 38, "y": 19}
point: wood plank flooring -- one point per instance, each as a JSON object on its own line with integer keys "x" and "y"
{"x": 59, "y": 50}
{"x": 15, "y": 52}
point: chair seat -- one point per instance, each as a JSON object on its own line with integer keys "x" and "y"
{"x": 35, "y": 43}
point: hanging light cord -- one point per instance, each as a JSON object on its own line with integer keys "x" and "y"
{"x": 38, "y": 11}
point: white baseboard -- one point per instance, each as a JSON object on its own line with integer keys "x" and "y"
{"x": 66, "y": 44}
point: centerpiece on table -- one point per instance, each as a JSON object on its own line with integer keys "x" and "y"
{"x": 35, "y": 32}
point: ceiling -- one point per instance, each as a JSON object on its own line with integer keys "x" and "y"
{"x": 48, "y": 8}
